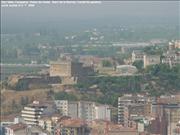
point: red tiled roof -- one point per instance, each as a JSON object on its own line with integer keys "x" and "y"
{"x": 17, "y": 126}
{"x": 73, "y": 123}
{"x": 8, "y": 117}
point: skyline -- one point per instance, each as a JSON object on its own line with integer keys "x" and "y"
{"x": 88, "y": 15}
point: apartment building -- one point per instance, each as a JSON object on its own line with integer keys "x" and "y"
{"x": 172, "y": 115}
{"x": 84, "y": 110}
{"x": 33, "y": 112}
{"x": 73, "y": 109}
{"x": 131, "y": 105}
{"x": 102, "y": 112}
{"x": 62, "y": 105}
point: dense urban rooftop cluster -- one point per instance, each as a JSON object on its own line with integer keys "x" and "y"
{"x": 137, "y": 115}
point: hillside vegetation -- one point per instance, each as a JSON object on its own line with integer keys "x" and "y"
{"x": 156, "y": 80}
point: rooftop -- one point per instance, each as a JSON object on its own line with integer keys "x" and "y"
{"x": 73, "y": 123}
{"x": 138, "y": 52}
{"x": 18, "y": 126}
{"x": 8, "y": 118}
{"x": 134, "y": 97}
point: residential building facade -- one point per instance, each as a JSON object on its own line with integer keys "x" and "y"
{"x": 84, "y": 110}
{"x": 151, "y": 60}
{"x": 137, "y": 55}
{"x": 130, "y": 105}
{"x": 32, "y": 113}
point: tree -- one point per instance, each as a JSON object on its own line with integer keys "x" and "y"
{"x": 14, "y": 106}
{"x": 138, "y": 64}
{"x": 24, "y": 100}
{"x": 22, "y": 85}
{"x": 65, "y": 96}
{"x": 106, "y": 63}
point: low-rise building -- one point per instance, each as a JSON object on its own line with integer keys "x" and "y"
{"x": 16, "y": 129}
{"x": 101, "y": 127}
{"x": 177, "y": 44}
{"x": 49, "y": 122}
{"x": 137, "y": 55}
{"x": 151, "y": 60}
{"x": 174, "y": 44}
{"x": 171, "y": 57}
{"x": 126, "y": 69}
{"x": 72, "y": 127}
{"x": 37, "y": 130}
{"x": 70, "y": 71}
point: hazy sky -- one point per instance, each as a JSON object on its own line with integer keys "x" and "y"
{"x": 106, "y": 13}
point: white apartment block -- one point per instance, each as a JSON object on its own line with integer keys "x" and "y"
{"x": 32, "y": 113}
{"x": 62, "y": 105}
{"x": 84, "y": 110}
{"x": 103, "y": 112}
